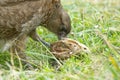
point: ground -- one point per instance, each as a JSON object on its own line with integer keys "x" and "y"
{"x": 95, "y": 23}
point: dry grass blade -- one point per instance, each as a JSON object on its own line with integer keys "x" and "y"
{"x": 106, "y": 41}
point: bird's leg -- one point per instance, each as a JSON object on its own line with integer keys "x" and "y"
{"x": 17, "y": 50}
{"x": 33, "y": 34}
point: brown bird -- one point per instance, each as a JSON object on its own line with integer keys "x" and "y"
{"x": 65, "y": 48}
{"x": 20, "y": 18}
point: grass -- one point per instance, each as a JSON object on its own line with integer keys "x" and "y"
{"x": 96, "y": 23}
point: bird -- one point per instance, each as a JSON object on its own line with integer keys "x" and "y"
{"x": 65, "y": 48}
{"x": 19, "y": 20}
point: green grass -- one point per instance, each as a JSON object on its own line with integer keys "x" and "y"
{"x": 97, "y": 25}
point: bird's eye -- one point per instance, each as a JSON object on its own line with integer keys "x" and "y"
{"x": 85, "y": 48}
{"x": 63, "y": 28}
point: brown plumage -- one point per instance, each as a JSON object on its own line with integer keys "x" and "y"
{"x": 20, "y": 18}
{"x": 65, "y": 48}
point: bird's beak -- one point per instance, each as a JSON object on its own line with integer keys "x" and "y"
{"x": 62, "y": 36}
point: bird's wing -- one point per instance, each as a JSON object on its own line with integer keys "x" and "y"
{"x": 9, "y": 2}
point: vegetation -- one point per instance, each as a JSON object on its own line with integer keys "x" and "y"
{"x": 95, "y": 23}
